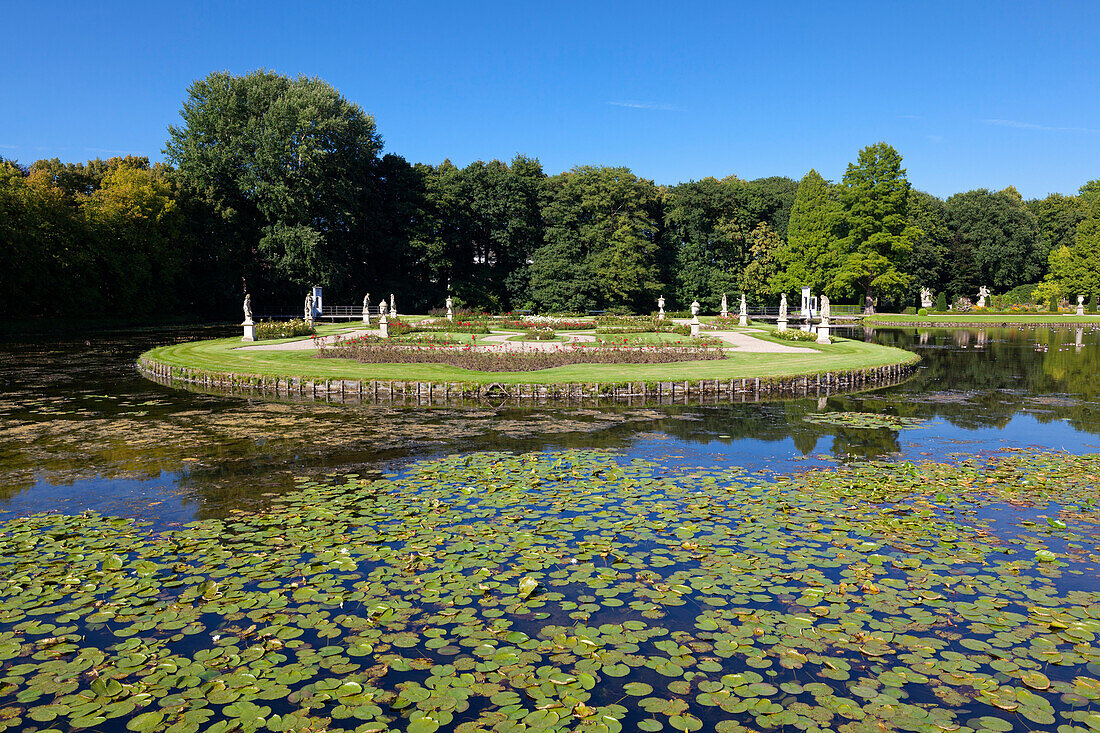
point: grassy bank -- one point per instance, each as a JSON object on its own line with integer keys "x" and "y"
{"x": 981, "y": 319}
{"x": 225, "y": 355}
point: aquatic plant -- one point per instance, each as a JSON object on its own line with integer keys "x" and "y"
{"x": 574, "y": 591}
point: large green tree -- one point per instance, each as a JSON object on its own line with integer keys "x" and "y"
{"x": 1075, "y": 267}
{"x": 809, "y": 256}
{"x": 879, "y": 237}
{"x": 600, "y": 246}
{"x": 998, "y": 231}
{"x": 928, "y": 262}
{"x": 287, "y": 162}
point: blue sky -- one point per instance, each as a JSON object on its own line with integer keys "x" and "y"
{"x": 973, "y": 94}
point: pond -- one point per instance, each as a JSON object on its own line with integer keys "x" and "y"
{"x": 540, "y": 568}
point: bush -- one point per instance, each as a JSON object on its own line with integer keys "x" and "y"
{"x": 1053, "y": 305}
{"x": 922, "y": 312}
{"x": 540, "y": 333}
{"x": 796, "y": 335}
{"x": 440, "y": 326}
{"x": 560, "y": 324}
{"x": 941, "y": 301}
{"x": 910, "y": 311}
{"x": 283, "y": 329}
{"x": 1019, "y": 295}
{"x": 1092, "y": 304}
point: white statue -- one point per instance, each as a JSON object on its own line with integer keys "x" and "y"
{"x": 393, "y": 306}
{"x": 382, "y": 309}
{"x": 366, "y": 308}
{"x": 824, "y": 308}
{"x": 308, "y": 315}
{"x": 743, "y": 317}
{"x": 450, "y": 308}
{"x": 725, "y": 307}
{"x": 247, "y": 309}
{"x": 783, "y": 307}
{"x": 695, "y": 308}
{"x": 925, "y": 297}
{"x": 661, "y": 308}
{"x": 983, "y": 295}
{"x": 1080, "y": 305}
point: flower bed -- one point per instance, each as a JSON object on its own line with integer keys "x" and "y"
{"x": 797, "y": 335}
{"x": 370, "y": 351}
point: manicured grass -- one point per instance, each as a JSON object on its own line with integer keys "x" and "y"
{"x": 997, "y": 318}
{"x": 224, "y": 355}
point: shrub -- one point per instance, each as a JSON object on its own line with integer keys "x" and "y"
{"x": 441, "y": 326}
{"x": 910, "y": 311}
{"x": 922, "y": 312}
{"x": 1092, "y": 304}
{"x": 283, "y": 329}
{"x": 1019, "y": 295}
{"x": 539, "y": 333}
{"x": 941, "y": 301}
{"x": 796, "y": 335}
{"x": 962, "y": 304}
{"x": 1053, "y": 305}
{"x": 560, "y": 324}
{"x": 372, "y": 351}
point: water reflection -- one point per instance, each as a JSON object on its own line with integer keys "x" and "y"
{"x": 80, "y": 429}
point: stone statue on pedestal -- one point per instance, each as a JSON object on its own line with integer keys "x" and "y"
{"x": 983, "y": 296}
{"x": 661, "y": 308}
{"x": 925, "y": 298}
{"x": 247, "y": 309}
{"x": 308, "y": 314}
{"x": 1080, "y": 305}
{"x": 393, "y": 306}
{"x": 783, "y": 307}
{"x": 725, "y": 307}
{"x": 450, "y": 308}
{"x": 366, "y": 308}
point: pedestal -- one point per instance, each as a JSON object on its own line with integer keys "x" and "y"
{"x": 1080, "y": 310}
{"x": 661, "y": 315}
{"x": 742, "y": 320}
{"x": 695, "y": 328}
{"x": 249, "y": 331}
{"x": 782, "y": 325}
{"x": 725, "y": 314}
{"x": 450, "y": 315}
{"x": 366, "y": 318}
{"x": 823, "y": 334}
{"x": 384, "y": 327}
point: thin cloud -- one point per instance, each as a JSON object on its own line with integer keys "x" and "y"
{"x": 109, "y": 150}
{"x": 646, "y": 105}
{"x": 1032, "y": 126}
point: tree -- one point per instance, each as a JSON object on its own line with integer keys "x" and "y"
{"x": 1001, "y": 235}
{"x": 133, "y": 219}
{"x": 809, "y": 256}
{"x": 1075, "y": 270}
{"x": 875, "y": 195}
{"x": 600, "y": 247}
{"x": 1057, "y": 217}
{"x": 761, "y": 272}
{"x": 927, "y": 263}
{"x": 287, "y": 162}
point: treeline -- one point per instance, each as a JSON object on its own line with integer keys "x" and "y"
{"x": 272, "y": 184}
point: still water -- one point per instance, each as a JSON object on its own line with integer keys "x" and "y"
{"x": 80, "y": 429}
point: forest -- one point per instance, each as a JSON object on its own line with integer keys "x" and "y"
{"x": 271, "y": 184}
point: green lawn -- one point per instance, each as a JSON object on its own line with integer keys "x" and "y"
{"x": 224, "y": 355}
{"x": 996, "y": 318}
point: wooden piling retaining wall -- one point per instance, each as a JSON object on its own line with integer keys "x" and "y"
{"x": 427, "y": 393}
